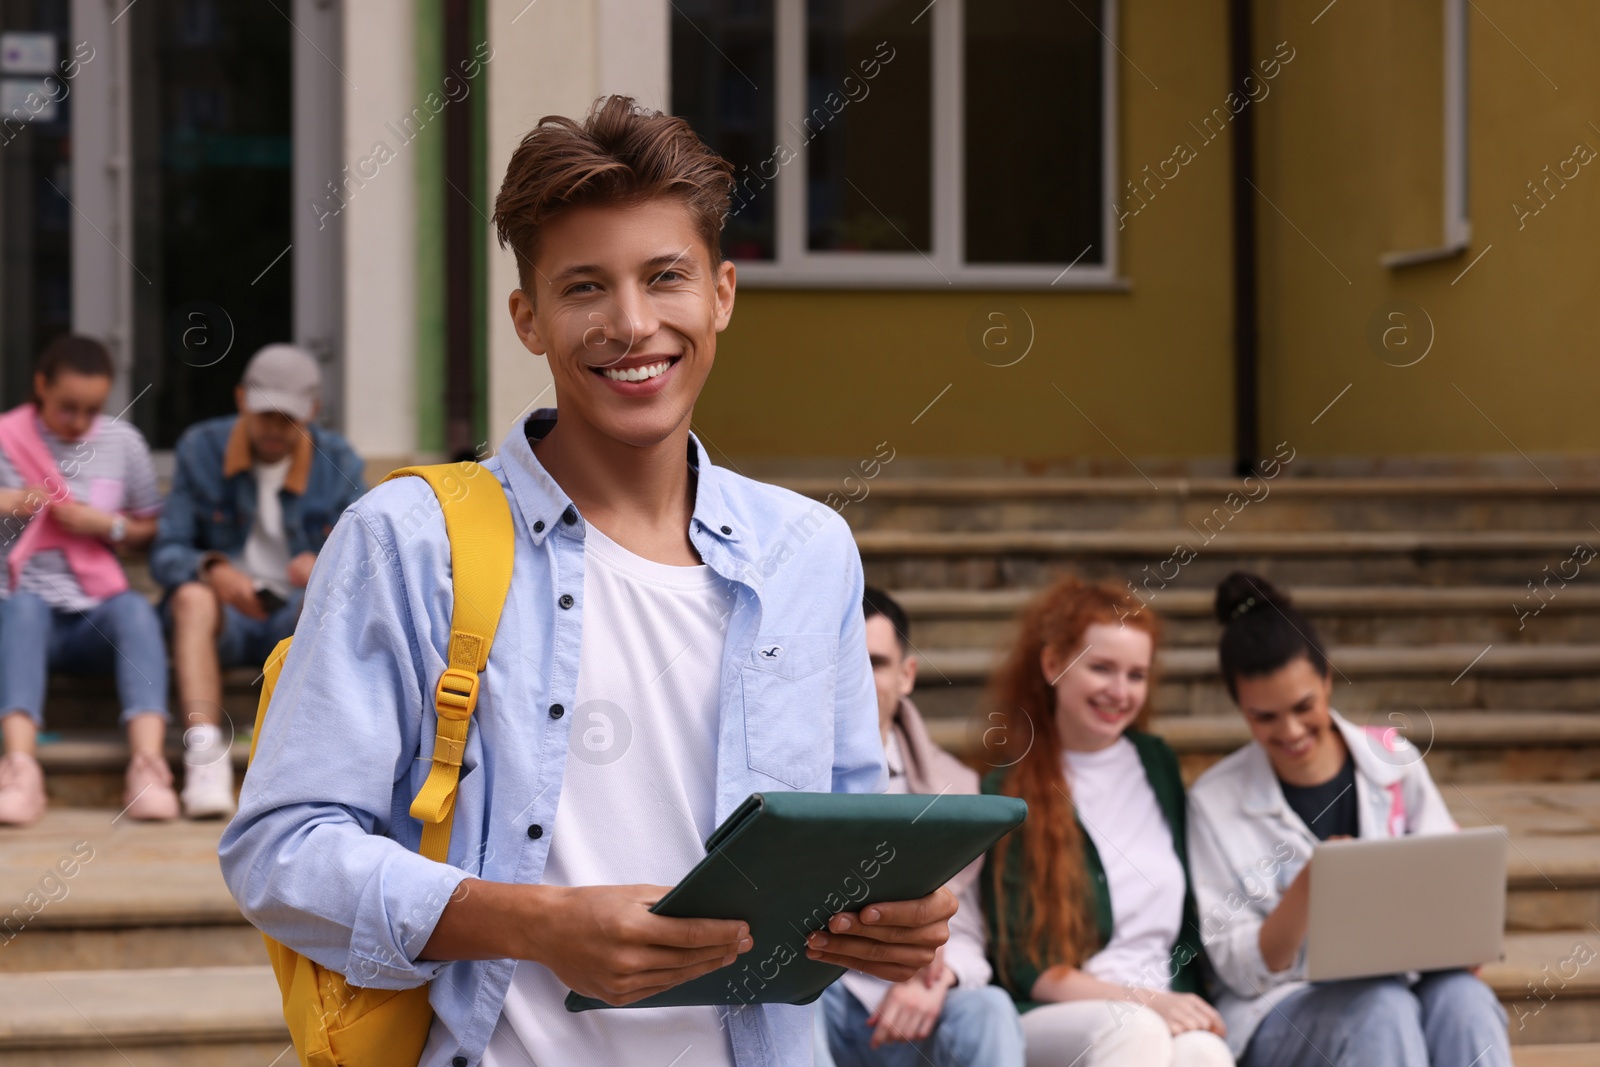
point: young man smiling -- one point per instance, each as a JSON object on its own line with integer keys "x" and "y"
{"x": 675, "y": 638}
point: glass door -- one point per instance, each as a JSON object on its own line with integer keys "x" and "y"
{"x": 36, "y": 56}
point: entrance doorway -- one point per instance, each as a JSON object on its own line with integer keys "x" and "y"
{"x": 212, "y": 124}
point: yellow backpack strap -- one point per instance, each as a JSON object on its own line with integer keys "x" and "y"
{"x": 482, "y": 544}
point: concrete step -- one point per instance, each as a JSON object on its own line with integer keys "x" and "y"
{"x": 184, "y": 1016}
{"x": 1549, "y": 984}
{"x": 1556, "y": 1055}
{"x": 1366, "y": 677}
{"x": 1553, "y": 864}
{"x": 1350, "y": 615}
{"x": 1161, "y": 561}
{"x": 90, "y": 890}
{"x": 85, "y": 768}
{"x": 1282, "y": 503}
{"x": 75, "y": 702}
{"x": 232, "y": 1015}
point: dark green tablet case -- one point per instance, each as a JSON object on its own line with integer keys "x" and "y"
{"x": 787, "y": 862}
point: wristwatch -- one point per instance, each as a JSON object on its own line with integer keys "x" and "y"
{"x": 119, "y": 530}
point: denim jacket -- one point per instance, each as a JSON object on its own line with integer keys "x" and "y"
{"x": 323, "y": 852}
{"x": 212, "y": 510}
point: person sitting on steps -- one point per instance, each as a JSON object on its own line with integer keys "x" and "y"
{"x": 1093, "y": 917}
{"x": 254, "y": 498}
{"x": 75, "y": 487}
{"x": 948, "y": 1015}
{"x": 1309, "y": 775}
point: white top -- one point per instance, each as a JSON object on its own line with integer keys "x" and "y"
{"x": 638, "y": 798}
{"x": 1246, "y": 845}
{"x": 1118, "y": 808}
{"x": 266, "y": 550}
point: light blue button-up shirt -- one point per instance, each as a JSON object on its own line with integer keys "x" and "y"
{"x": 323, "y": 853}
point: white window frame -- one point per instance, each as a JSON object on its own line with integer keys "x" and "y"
{"x": 795, "y": 266}
{"x": 1457, "y": 221}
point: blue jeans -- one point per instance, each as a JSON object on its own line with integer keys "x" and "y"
{"x": 1448, "y": 1019}
{"x": 977, "y": 1026}
{"x": 120, "y": 636}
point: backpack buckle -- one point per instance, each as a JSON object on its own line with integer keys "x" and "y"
{"x": 456, "y": 694}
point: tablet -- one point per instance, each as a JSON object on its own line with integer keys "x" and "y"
{"x": 786, "y": 863}
{"x": 1398, "y": 904}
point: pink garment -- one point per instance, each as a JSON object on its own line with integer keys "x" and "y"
{"x": 1397, "y": 795}
{"x": 92, "y": 562}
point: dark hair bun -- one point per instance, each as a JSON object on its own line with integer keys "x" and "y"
{"x": 1242, "y": 592}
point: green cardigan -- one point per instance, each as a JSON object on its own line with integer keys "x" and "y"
{"x": 1161, "y": 769}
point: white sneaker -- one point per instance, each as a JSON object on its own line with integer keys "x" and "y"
{"x": 207, "y": 783}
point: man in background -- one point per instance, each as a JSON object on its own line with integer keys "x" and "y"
{"x": 254, "y": 497}
{"x": 948, "y": 1014}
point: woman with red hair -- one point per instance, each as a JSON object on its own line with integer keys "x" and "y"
{"x": 1093, "y": 922}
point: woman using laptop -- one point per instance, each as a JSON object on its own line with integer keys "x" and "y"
{"x": 1254, "y": 819}
{"x": 1093, "y": 924}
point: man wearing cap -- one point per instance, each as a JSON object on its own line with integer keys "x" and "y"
{"x": 254, "y": 497}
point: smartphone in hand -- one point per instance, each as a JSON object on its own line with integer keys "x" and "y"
{"x": 269, "y": 601}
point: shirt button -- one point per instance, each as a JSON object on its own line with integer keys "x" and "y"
{"x": 535, "y": 831}
{"x": 556, "y": 711}
{"x": 459, "y": 1061}
{"x": 566, "y": 600}
{"x": 569, "y": 516}
{"x": 727, "y": 529}
{"x": 538, "y": 527}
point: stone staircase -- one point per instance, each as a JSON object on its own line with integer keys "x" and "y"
{"x": 124, "y": 947}
{"x": 140, "y": 957}
{"x": 1461, "y": 611}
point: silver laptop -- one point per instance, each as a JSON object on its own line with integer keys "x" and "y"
{"x": 1406, "y": 904}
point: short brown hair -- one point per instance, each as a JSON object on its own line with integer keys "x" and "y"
{"x": 621, "y": 154}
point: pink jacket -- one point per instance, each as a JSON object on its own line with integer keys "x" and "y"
{"x": 92, "y": 561}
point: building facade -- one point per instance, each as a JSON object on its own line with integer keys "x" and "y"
{"x": 972, "y": 234}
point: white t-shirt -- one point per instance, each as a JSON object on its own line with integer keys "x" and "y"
{"x": 638, "y": 799}
{"x": 1118, "y": 808}
{"x": 266, "y": 550}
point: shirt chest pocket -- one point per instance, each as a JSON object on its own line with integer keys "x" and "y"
{"x": 788, "y": 684}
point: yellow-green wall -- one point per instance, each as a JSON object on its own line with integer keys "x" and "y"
{"x": 1515, "y": 335}
{"x": 1349, "y": 155}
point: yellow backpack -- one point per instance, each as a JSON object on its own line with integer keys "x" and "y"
{"x": 335, "y": 1023}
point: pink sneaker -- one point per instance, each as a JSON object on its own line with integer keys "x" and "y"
{"x": 21, "y": 790}
{"x": 149, "y": 792}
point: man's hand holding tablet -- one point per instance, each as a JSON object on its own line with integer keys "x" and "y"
{"x": 604, "y": 942}
{"x": 892, "y": 941}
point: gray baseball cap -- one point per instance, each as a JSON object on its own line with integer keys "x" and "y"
{"x": 283, "y": 378}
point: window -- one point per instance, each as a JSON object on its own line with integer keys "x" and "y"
{"x": 907, "y": 144}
